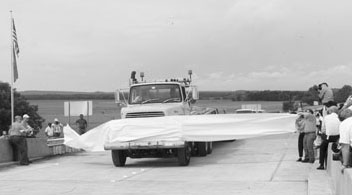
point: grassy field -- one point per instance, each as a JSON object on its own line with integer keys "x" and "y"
{"x": 105, "y": 110}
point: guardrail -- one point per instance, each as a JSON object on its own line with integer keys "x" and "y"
{"x": 37, "y": 147}
{"x": 57, "y": 147}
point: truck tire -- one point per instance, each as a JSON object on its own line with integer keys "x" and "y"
{"x": 210, "y": 147}
{"x": 118, "y": 158}
{"x": 202, "y": 148}
{"x": 184, "y": 155}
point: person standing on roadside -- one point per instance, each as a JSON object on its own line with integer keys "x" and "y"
{"x": 57, "y": 128}
{"x": 25, "y": 124}
{"x": 81, "y": 124}
{"x": 49, "y": 131}
{"x": 309, "y": 129}
{"x": 330, "y": 133}
{"x": 345, "y": 116}
{"x": 300, "y": 129}
{"x": 18, "y": 140}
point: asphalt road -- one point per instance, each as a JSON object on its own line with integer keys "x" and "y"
{"x": 264, "y": 165}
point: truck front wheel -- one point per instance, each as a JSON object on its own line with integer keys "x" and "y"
{"x": 118, "y": 158}
{"x": 184, "y": 155}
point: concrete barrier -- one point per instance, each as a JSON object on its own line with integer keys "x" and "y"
{"x": 342, "y": 182}
{"x": 6, "y": 154}
{"x": 37, "y": 147}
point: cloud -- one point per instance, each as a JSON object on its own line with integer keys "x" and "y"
{"x": 267, "y": 75}
{"x": 282, "y": 79}
{"x": 216, "y": 75}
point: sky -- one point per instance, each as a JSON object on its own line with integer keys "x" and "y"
{"x": 93, "y": 45}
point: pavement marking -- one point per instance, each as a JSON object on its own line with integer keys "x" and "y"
{"x": 134, "y": 173}
{"x": 282, "y": 157}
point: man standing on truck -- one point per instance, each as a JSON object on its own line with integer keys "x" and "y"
{"x": 81, "y": 125}
{"x": 326, "y": 95}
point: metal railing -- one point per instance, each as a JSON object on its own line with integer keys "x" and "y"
{"x": 57, "y": 147}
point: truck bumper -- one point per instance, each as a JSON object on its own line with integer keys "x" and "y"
{"x": 145, "y": 145}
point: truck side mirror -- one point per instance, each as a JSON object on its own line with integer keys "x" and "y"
{"x": 195, "y": 93}
{"x": 118, "y": 98}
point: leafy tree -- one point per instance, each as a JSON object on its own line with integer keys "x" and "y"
{"x": 288, "y": 106}
{"x": 311, "y": 95}
{"x": 21, "y": 107}
{"x": 342, "y": 94}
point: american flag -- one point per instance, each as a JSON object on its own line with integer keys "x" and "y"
{"x": 15, "y": 51}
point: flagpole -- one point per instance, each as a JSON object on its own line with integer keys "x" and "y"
{"x": 12, "y": 69}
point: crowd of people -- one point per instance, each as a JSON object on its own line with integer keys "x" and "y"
{"x": 55, "y": 129}
{"x": 330, "y": 124}
{"x": 20, "y": 130}
{"x": 17, "y": 138}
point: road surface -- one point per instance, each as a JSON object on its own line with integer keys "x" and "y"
{"x": 259, "y": 166}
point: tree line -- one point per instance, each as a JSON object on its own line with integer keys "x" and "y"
{"x": 307, "y": 97}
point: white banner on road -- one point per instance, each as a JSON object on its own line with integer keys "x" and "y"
{"x": 186, "y": 128}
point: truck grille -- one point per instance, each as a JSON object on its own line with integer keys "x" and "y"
{"x": 144, "y": 114}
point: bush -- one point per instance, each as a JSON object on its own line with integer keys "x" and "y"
{"x": 288, "y": 106}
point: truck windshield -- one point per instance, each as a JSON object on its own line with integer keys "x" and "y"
{"x": 155, "y": 93}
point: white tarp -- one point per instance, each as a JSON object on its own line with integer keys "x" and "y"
{"x": 187, "y": 128}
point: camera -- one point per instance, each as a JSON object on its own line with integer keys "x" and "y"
{"x": 337, "y": 156}
{"x": 319, "y": 87}
{"x": 336, "y": 152}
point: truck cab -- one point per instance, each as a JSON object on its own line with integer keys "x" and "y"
{"x": 157, "y": 99}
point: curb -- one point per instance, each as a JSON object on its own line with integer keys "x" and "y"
{"x": 319, "y": 182}
{"x": 12, "y": 163}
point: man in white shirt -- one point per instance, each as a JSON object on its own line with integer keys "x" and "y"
{"x": 345, "y": 136}
{"x": 330, "y": 133}
{"x": 49, "y": 131}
